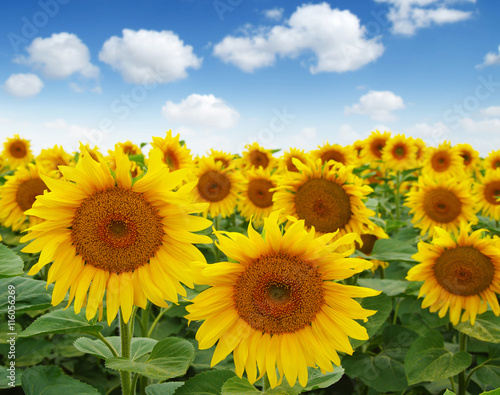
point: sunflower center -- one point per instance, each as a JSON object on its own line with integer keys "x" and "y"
{"x": 279, "y": 293}
{"x": 442, "y": 205}
{"x": 323, "y": 204}
{"x": 492, "y": 192}
{"x": 28, "y": 191}
{"x": 440, "y": 161}
{"x": 213, "y": 186}
{"x": 496, "y": 164}
{"x": 259, "y": 159}
{"x": 259, "y": 193}
{"x": 377, "y": 146}
{"x": 399, "y": 152}
{"x": 171, "y": 160}
{"x": 18, "y": 149}
{"x": 333, "y": 155}
{"x": 116, "y": 230}
{"x": 467, "y": 158}
{"x": 464, "y": 271}
{"x": 290, "y": 166}
{"x": 368, "y": 243}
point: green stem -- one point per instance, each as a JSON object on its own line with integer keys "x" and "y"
{"x": 398, "y": 195}
{"x": 396, "y": 310}
{"x": 145, "y": 320}
{"x": 462, "y": 387}
{"x": 126, "y": 337}
{"x": 265, "y": 383}
{"x": 143, "y": 383}
{"x": 453, "y": 385}
{"x": 153, "y": 325}
{"x": 134, "y": 381}
{"x": 381, "y": 272}
{"x": 472, "y": 371}
{"x": 108, "y": 344}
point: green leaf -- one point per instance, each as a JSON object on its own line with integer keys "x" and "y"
{"x": 206, "y": 383}
{"x": 169, "y": 358}
{"x": 486, "y": 328}
{"x": 488, "y": 376}
{"x": 5, "y": 374}
{"x": 285, "y": 389}
{"x": 383, "y": 304}
{"x": 428, "y": 360}
{"x": 494, "y": 392}
{"x": 392, "y": 250}
{"x": 50, "y": 380}
{"x": 381, "y": 372}
{"x": 389, "y": 287}
{"x": 30, "y": 351}
{"x": 237, "y": 386}
{"x": 61, "y": 321}
{"x": 448, "y": 392}
{"x": 139, "y": 346}
{"x": 29, "y": 295}
{"x": 163, "y": 388}
{"x": 319, "y": 380}
{"x": 10, "y": 264}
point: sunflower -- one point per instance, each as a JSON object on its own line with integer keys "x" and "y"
{"x": 225, "y": 158}
{"x": 257, "y": 156}
{"x": 18, "y": 195}
{"x": 129, "y": 148}
{"x": 461, "y": 273}
{"x": 94, "y": 153}
{"x": 335, "y": 152}
{"x": 368, "y": 242}
{"x": 469, "y": 155}
{"x": 174, "y": 154}
{"x": 218, "y": 186}
{"x": 286, "y": 160}
{"x": 52, "y": 158}
{"x": 328, "y": 197}
{"x": 443, "y": 160}
{"x": 135, "y": 167}
{"x": 421, "y": 149}
{"x": 17, "y": 152}
{"x": 107, "y": 234}
{"x": 487, "y": 191}
{"x": 275, "y": 304}
{"x": 441, "y": 201}
{"x": 399, "y": 153}
{"x": 492, "y": 161}
{"x": 374, "y": 146}
{"x": 256, "y": 197}
{"x": 358, "y": 147}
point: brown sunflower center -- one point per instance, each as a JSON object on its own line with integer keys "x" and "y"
{"x": 259, "y": 159}
{"x": 492, "y": 192}
{"x": 28, "y": 191}
{"x": 368, "y": 243}
{"x": 442, "y": 205}
{"x": 116, "y": 230}
{"x": 323, "y": 204}
{"x": 464, "y": 271}
{"x": 466, "y": 157}
{"x": 377, "y": 146}
{"x": 440, "y": 161}
{"x": 496, "y": 164}
{"x": 171, "y": 160}
{"x": 290, "y": 166}
{"x": 213, "y": 186}
{"x": 335, "y": 155}
{"x": 18, "y": 149}
{"x": 399, "y": 151}
{"x": 223, "y": 160}
{"x": 279, "y": 293}
{"x": 259, "y": 193}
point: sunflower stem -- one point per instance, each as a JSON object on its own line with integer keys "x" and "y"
{"x": 153, "y": 325}
{"x": 398, "y": 195}
{"x": 265, "y": 383}
{"x": 125, "y": 336}
{"x": 108, "y": 344}
{"x": 462, "y": 387}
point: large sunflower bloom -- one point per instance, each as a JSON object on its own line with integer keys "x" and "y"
{"x": 487, "y": 191}
{"x": 17, "y": 152}
{"x": 18, "y": 195}
{"x": 443, "y": 160}
{"x": 374, "y": 146}
{"x": 441, "y": 201}
{"x": 106, "y": 234}
{"x": 461, "y": 273}
{"x": 399, "y": 153}
{"x": 174, "y": 154}
{"x": 276, "y": 303}
{"x": 336, "y": 152}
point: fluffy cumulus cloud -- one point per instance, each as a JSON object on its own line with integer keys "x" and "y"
{"x": 148, "y": 56}
{"x": 336, "y": 38}
{"x": 23, "y": 85}
{"x": 203, "y": 111}
{"x": 274, "y": 14}
{"x": 60, "y": 56}
{"x": 493, "y": 111}
{"x": 482, "y": 126}
{"x": 407, "y": 16}
{"x": 431, "y": 134}
{"x": 378, "y": 105}
{"x": 490, "y": 59}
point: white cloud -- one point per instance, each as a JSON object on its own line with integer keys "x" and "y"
{"x": 493, "y": 111}
{"x": 472, "y": 126}
{"x": 378, "y": 105}
{"x": 60, "y": 56}
{"x": 205, "y": 111}
{"x": 305, "y": 139}
{"x": 407, "y": 16}
{"x": 23, "y": 85}
{"x": 275, "y": 14}
{"x": 335, "y": 37}
{"x": 431, "y": 134}
{"x": 346, "y": 135}
{"x": 490, "y": 59}
{"x": 148, "y": 56}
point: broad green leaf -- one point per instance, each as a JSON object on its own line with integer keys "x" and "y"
{"x": 139, "y": 346}
{"x": 392, "y": 250}
{"x": 238, "y": 386}
{"x": 169, "y": 358}
{"x": 448, "y": 392}
{"x": 163, "y": 388}
{"x": 494, "y": 392}
{"x": 284, "y": 389}
{"x": 6, "y": 374}
{"x": 421, "y": 321}
{"x": 10, "y": 264}
{"x": 388, "y": 287}
{"x": 319, "y": 380}
{"x": 488, "y": 376}
{"x": 61, "y": 321}
{"x": 486, "y": 328}
{"x": 29, "y": 351}
{"x": 428, "y": 360}
{"x": 380, "y": 372}
{"x": 29, "y": 295}
{"x": 50, "y": 380}
{"x": 206, "y": 383}
{"x": 398, "y": 337}
{"x": 383, "y": 304}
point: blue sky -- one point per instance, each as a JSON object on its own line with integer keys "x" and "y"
{"x": 225, "y": 73}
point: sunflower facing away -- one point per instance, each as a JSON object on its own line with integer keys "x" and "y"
{"x": 461, "y": 273}
{"x": 441, "y": 201}
{"x": 107, "y": 235}
{"x": 276, "y": 304}
{"x": 487, "y": 191}
{"x": 444, "y": 160}
{"x": 399, "y": 153}
{"x": 17, "y": 152}
{"x": 175, "y": 155}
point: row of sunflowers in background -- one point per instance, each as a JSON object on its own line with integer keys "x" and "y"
{"x": 371, "y": 268}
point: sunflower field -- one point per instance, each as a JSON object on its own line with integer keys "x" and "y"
{"x": 363, "y": 269}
